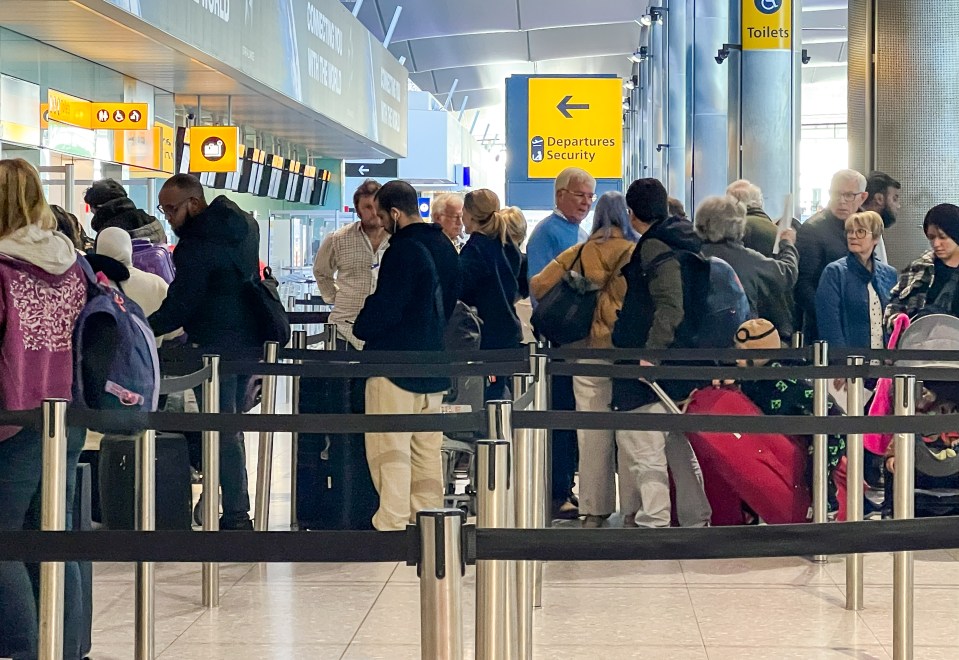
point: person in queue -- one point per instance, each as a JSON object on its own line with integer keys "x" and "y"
{"x": 112, "y": 207}
{"x": 403, "y": 314}
{"x": 822, "y": 240}
{"x": 516, "y": 228}
{"x": 601, "y": 258}
{"x": 930, "y": 284}
{"x": 347, "y": 264}
{"x": 447, "y": 211}
{"x": 653, "y": 317}
{"x": 574, "y": 192}
{"x": 760, "y": 231}
{"x": 43, "y": 292}
{"x": 721, "y": 223}
{"x": 69, "y": 226}
{"x": 216, "y": 255}
{"x": 854, "y": 291}
{"x": 882, "y": 196}
{"x": 676, "y": 208}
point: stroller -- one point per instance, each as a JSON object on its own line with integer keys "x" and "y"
{"x": 459, "y": 449}
{"x": 936, "y": 462}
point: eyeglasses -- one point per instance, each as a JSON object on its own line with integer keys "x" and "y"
{"x": 857, "y": 233}
{"x": 845, "y": 196}
{"x": 171, "y": 210}
{"x": 590, "y": 197}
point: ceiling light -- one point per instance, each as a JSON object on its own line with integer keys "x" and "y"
{"x": 631, "y": 82}
{"x": 639, "y": 55}
{"x": 645, "y": 20}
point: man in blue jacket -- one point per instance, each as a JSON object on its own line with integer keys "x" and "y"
{"x": 416, "y": 292}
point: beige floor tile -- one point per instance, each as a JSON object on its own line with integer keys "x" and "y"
{"x": 801, "y": 653}
{"x": 614, "y": 573}
{"x": 112, "y": 651}
{"x": 177, "y": 608}
{"x": 184, "y": 650}
{"x": 393, "y": 652}
{"x": 794, "y": 571}
{"x": 170, "y": 573}
{"x": 616, "y": 616}
{"x": 778, "y": 617}
{"x": 934, "y": 611}
{"x": 285, "y": 614}
{"x": 935, "y": 568}
{"x": 395, "y": 618}
{"x": 935, "y": 652}
{"x": 407, "y": 575}
{"x": 647, "y": 652}
{"x": 281, "y": 574}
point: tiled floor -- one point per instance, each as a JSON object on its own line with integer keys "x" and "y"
{"x": 775, "y": 609}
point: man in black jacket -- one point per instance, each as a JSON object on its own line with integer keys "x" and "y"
{"x": 112, "y": 207}
{"x": 218, "y": 252}
{"x": 416, "y": 292}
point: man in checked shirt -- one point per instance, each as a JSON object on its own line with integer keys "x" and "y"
{"x": 348, "y": 262}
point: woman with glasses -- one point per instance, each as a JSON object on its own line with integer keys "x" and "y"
{"x": 853, "y": 291}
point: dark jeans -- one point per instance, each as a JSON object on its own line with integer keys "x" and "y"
{"x": 20, "y": 469}
{"x": 565, "y": 449}
{"x": 234, "y": 483}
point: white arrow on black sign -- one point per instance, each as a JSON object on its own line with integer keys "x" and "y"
{"x": 363, "y": 170}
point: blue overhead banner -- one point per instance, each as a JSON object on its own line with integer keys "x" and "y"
{"x": 314, "y": 52}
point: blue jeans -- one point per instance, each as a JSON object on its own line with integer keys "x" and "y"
{"x": 20, "y": 467}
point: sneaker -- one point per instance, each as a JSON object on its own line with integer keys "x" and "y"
{"x": 565, "y": 510}
{"x": 594, "y": 522}
{"x": 235, "y": 525}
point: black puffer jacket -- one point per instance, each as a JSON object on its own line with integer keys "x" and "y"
{"x": 218, "y": 251}
{"x": 123, "y": 213}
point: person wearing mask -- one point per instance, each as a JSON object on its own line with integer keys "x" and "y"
{"x": 930, "y": 284}
{"x": 408, "y": 312}
{"x": 348, "y": 261}
{"x": 854, "y": 291}
{"x": 882, "y": 196}
{"x": 216, "y": 255}
{"x": 489, "y": 280}
{"x": 601, "y": 258}
{"x": 112, "y": 207}
{"x": 653, "y": 317}
{"x": 721, "y": 223}
{"x": 574, "y": 192}
{"x": 447, "y": 211}
{"x": 822, "y": 240}
{"x": 43, "y": 291}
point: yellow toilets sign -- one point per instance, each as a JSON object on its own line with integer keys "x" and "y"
{"x": 767, "y": 24}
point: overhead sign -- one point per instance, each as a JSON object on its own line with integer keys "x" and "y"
{"x": 164, "y": 147}
{"x": 575, "y": 122}
{"x": 67, "y": 109}
{"x": 386, "y": 169}
{"x": 214, "y": 148}
{"x": 120, "y": 116}
{"x": 767, "y": 24}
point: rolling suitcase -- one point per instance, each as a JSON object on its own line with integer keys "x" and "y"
{"x": 154, "y": 259}
{"x": 334, "y": 489}
{"x": 174, "y": 497}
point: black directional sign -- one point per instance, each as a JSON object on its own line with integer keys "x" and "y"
{"x": 385, "y": 169}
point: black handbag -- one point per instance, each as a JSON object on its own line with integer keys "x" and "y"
{"x": 565, "y": 314}
{"x": 264, "y": 298}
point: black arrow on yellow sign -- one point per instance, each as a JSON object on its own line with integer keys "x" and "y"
{"x": 565, "y": 106}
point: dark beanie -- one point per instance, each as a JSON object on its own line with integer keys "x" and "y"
{"x": 946, "y": 217}
{"x": 647, "y": 199}
{"x": 103, "y": 191}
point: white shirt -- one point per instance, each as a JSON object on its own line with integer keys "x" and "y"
{"x": 346, "y": 268}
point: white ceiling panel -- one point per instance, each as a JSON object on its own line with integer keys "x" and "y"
{"x": 422, "y": 19}
{"x": 583, "y": 41}
{"x": 535, "y": 14}
{"x": 468, "y": 50}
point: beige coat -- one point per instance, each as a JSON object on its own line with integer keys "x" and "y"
{"x": 602, "y": 262}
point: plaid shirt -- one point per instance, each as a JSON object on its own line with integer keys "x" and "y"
{"x": 909, "y": 295}
{"x": 346, "y": 269}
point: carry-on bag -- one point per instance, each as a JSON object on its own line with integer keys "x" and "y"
{"x": 154, "y": 259}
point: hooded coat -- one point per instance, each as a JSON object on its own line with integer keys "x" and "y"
{"x": 145, "y": 289}
{"x": 123, "y": 213}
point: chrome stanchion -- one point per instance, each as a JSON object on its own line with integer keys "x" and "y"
{"x": 904, "y": 493}
{"x": 329, "y": 337}
{"x": 525, "y": 516}
{"x": 211, "y": 479}
{"x": 492, "y": 577}
{"x": 53, "y": 518}
{"x": 145, "y": 489}
{"x": 797, "y": 339}
{"x": 299, "y": 343}
{"x": 539, "y": 439}
{"x": 820, "y": 408}
{"x": 441, "y": 569}
{"x": 854, "y": 478}
{"x": 264, "y": 463}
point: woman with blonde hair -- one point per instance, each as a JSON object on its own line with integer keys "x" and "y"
{"x": 43, "y": 290}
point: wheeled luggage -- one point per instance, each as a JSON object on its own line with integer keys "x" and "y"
{"x": 334, "y": 489}
{"x": 154, "y": 259}
{"x": 174, "y": 496}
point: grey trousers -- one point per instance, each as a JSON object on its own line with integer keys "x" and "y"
{"x": 597, "y": 449}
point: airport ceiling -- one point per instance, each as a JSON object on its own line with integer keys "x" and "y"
{"x": 478, "y": 43}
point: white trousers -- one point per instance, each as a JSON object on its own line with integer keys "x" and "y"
{"x": 597, "y": 449}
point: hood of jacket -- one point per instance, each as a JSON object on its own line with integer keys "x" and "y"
{"x": 676, "y": 232}
{"x": 116, "y": 244}
{"x": 122, "y": 213}
{"x": 221, "y": 222}
{"x": 48, "y": 250}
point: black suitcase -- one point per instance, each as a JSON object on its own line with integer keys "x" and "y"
{"x": 174, "y": 497}
{"x": 334, "y": 489}
{"x": 83, "y": 522}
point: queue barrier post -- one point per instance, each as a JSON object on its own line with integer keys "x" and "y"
{"x": 820, "y": 452}
{"x": 492, "y": 577}
{"x": 329, "y": 336}
{"x": 854, "y": 478}
{"x": 53, "y": 518}
{"x": 542, "y": 464}
{"x": 904, "y": 494}
{"x": 797, "y": 339}
{"x": 264, "y": 463}
{"x": 299, "y": 343}
{"x": 211, "y": 479}
{"x": 525, "y": 516}
{"x": 441, "y": 569}
{"x": 145, "y": 496}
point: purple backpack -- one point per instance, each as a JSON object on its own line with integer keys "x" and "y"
{"x": 154, "y": 259}
{"x": 115, "y": 360}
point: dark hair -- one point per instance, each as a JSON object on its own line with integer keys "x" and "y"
{"x": 366, "y": 189}
{"x": 103, "y": 191}
{"x": 676, "y": 208}
{"x": 647, "y": 199}
{"x": 879, "y": 182}
{"x": 945, "y": 217}
{"x": 187, "y": 183}
{"x": 68, "y": 225}
{"x": 398, "y": 195}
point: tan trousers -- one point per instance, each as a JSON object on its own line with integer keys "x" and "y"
{"x": 406, "y": 466}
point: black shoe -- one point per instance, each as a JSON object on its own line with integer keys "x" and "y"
{"x": 565, "y": 510}
{"x": 236, "y": 525}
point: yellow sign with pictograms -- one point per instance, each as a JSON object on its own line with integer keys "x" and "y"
{"x": 67, "y": 109}
{"x": 120, "y": 116}
{"x": 767, "y": 24}
{"x": 164, "y": 139}
{"x": 575, "y": 122}
{"x": 214, "y": 148}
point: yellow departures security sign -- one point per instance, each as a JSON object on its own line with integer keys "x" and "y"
{"x": 767, "y": 24}
{"x": 575, "y": 122}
